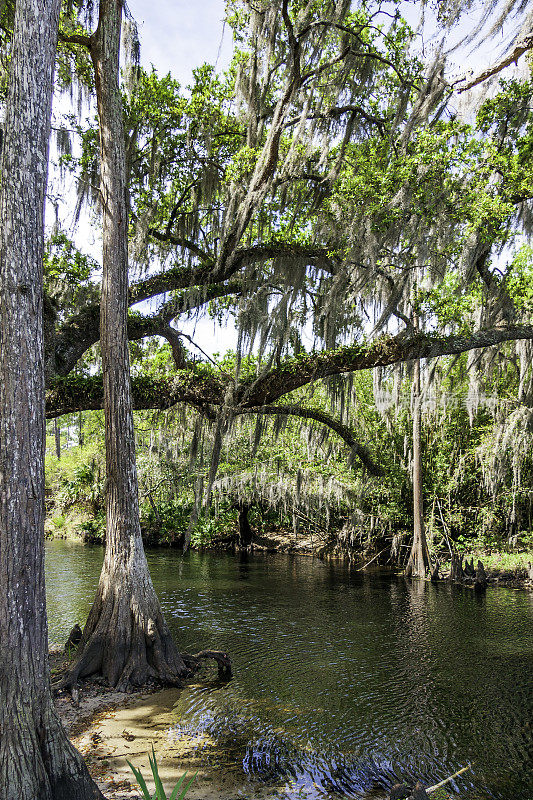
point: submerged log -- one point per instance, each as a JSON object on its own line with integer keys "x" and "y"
{"x": 438, "y": 785}
{"x": 404, "y": 791}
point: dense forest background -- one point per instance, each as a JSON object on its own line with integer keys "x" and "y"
{"x": 296, "y": 478}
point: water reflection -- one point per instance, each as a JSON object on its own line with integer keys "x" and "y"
{"x": 343, "y": 682}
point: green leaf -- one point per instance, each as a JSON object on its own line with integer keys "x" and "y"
{"x": 140, "y": 780}
{"x": 160, "y": 792}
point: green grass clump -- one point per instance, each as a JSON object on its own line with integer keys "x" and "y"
{"x": 159, "y": 791}
{"x": 507, "y": 561}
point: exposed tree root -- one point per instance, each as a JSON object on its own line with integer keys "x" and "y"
{"x": 127, "y": 643}
{"x": 222, "y": 659}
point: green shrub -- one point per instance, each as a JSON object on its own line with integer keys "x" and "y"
{"x": 93, "y": 530}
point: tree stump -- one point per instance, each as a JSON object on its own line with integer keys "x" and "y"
{"x": 74, "y": 638}
{"x": 480, "y": 583}
{"x": 400, "y": 791}
{"x": 419, "y": 793}
{"x": 395, "y": 549}
{"x": 435, "y": 573}
{"x": 456, "y": 568}
{"x": 469, "y": 569}
{"x": 246, "y": 533}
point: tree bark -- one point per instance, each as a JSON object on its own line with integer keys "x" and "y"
{"x": 125, "y": 638}
{"x": 418, "y": 563}
{"x": 37, "y": 762}
{"x": 246, "y": 534}
{"x": 57, "y": 437}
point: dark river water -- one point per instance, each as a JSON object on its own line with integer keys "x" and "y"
{"x": 343, "y": 682}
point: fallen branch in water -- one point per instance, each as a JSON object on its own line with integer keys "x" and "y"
{"x": 434, "y": 788}
{"x": 360, "y": 569}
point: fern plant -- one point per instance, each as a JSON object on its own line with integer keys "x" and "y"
{"x": 159, "y": 790}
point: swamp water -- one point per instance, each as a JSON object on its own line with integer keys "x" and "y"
{"x": 344, "y": 683}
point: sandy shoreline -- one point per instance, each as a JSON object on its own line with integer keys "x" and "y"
{"x": 81, "y": 721}
{"x": 109, "y": 728}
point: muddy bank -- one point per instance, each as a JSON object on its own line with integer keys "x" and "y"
{"x": 509, "y": 570}
{"x": 516, "y": 576}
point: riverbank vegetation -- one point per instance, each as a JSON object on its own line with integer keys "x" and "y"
{"x": 294, "y": 479}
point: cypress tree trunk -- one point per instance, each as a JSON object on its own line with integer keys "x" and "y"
{"x": 126, "y": 638}
{"x": 57, "y": 437}
{"x": 37, "y": 762}
{"x": 418, "y": 563}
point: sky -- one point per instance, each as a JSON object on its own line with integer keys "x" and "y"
{"x": 177, "y": 36}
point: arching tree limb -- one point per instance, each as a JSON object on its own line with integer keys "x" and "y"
{"x": 341, "y": 430}
{"x": 65, "y": 395}
{"x": 386, "y": 350}
{"x": 78, "y": 333}
{"x": 512, "y": 57}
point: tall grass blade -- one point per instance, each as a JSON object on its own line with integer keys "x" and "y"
{"x": 157, "y": 780}
{"x": 140, "y": 780}
{"x": 159, "y": 790}
{"x": 173, "y": 796}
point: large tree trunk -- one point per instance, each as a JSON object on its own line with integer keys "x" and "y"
{"x": 37, "y": 762}
{"x": 126, "y": 638}
{"x": 418, "y": 563}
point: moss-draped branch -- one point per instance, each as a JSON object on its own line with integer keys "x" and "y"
{"x": 194, "y": 287}
{"x": 203, "y": 390}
